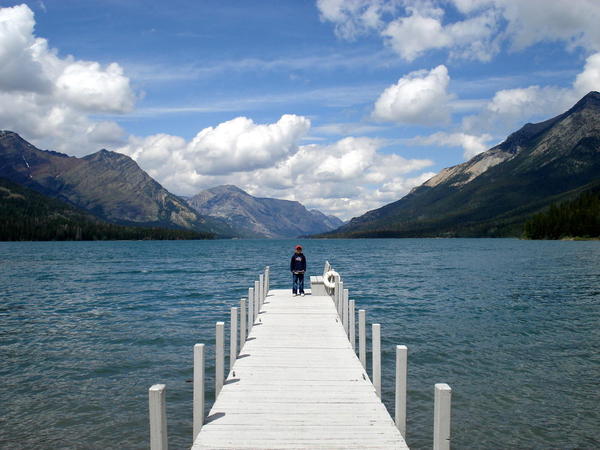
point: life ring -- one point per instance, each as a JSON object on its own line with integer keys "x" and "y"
{"x": 329, "y": 278}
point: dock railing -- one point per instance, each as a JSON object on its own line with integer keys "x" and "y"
{"x": 249, "y": 310}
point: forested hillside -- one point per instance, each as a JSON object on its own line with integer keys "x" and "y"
{"x": 26, "y": 215}
{"x": 579, "y": 218}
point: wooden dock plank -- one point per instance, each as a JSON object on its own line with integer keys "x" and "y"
{"x": 298, "y": 384}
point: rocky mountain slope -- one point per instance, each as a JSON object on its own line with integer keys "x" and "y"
{"x": 496, "y": 191}
{"x": 261, "y": 217}
{"x": 109, "y": 185}
{"x": 27, "y": 215}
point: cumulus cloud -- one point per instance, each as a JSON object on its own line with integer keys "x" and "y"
{"x": 238, "y": 145}
{"x": 471, "y": 144}
{"x": 418, "y": 98}
{"x": 47, "y": 98}
{"x": 352, "y": 18}
{"x": 511, "y": 107}
{"x": 413, "y": 35}
{"x": 338, "y": 178}
{"x": 413, "y": 27}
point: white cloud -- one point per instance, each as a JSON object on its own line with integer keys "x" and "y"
{"x": 418, "y": 98}
{"x": 411, "y": 36}
{"x": 509, "y": 108}
{"x": 533, "y": 21}
{"x": 86, "y": 86}
{"x": 46, "y": 98}
{"x": 472, "y": 145}
{"x": 338, "y": 178}
{"x": 589, "y": 79}
{"x": 420, "y": 26}
{"x": 352, "y": 18}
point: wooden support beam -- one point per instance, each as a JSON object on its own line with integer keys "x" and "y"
{"x": 362, "y": 337}
{"x": 352, "y": 324}
{"x": 158, "y": 417}
{"x": 219, "y": 357}
{"x": 198, "y": 394}
{"x": 376, "y": 354}
{"x": 401, "y": 375}
{"x": 441, "y": 417}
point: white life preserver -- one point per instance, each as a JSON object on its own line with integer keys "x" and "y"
{"x": 329, "y": 278}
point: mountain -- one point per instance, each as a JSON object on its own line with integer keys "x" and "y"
{"x": 107, "y": 184}
{"x": 261, "y": 217}
{"x": 27, "y": 215}
{"x": 495, "y": 192}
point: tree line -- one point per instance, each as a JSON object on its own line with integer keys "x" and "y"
{"x": 579, "y": 218}
{"x": 26, "y": 215}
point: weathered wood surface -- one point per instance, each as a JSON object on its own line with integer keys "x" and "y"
{"x": 298, "y": 384}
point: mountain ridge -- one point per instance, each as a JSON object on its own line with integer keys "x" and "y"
{"x": 261, "y": 216}
{"x": 550, "y": 159}
{"x": 107, "y": 184}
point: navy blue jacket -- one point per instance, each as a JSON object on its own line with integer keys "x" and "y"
{"x": 298, "y": 263}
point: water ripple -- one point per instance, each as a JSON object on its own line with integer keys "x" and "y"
{"x": 512, "y": 326}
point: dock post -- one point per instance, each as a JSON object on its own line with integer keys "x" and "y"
{"x": 362, "y": 337}
{"x": 345, "y": 312}
{"x": 441, "y": 417}
{"x": 198, "y": 409}
{"x": 158, "y": 417}
{"x": 376, "y": 349}
{"x": 261, "y": 298}
{"x": 352, "y": 323}
{"x": 233, "y": 339}
{"x": 250, "y": 309}
{"x": 336, "y": 290}
{"x": 268, "y": 282}
{"x": 256, "y": 300}
{"x": 243, "y": 328}
{"x": 340, "y": 300}
{"x": 219, "y": 357}
{"x": 401, "y": 373}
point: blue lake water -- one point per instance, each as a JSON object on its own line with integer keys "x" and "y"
{"x": 512, "y": 326}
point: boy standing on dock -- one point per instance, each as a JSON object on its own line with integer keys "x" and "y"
{"x": 298, "y": 267}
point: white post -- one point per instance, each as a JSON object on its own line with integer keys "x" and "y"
{"x": 158, "y": 417}
{"x": 326, "y": 268}
{"x": 250, "y": 309}
{"x": 336, "y": 290}
{"x": 256, "y": 300}
{"x": 376, "y": 349}
{"x": 362, "y": 337}
{"x": 441, "y": 417}
{"x": 268, "y": 283}
{"x": 401, "y": 373}
{"x": 243, "y": 328}
{"x": 233, "y": 340}
{"x": 340, "y": 302}
{"x": 219, "y": 357}
{"x": 345, "y": 312}
{"x": 352, "y": 319}
{"x": 198, "y": 410}
{"x": 261, "y": 298}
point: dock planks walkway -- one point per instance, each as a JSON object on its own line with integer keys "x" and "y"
{"x": 298, "y": 384}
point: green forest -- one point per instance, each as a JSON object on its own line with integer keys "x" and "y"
{"x": 579, "y": 218}
{"x": 26, "y": 215}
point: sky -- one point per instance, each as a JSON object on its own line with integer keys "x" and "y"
{"x": 343, "y": 105}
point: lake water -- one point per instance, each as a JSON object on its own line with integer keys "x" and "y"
{"x": 512, "y": 326}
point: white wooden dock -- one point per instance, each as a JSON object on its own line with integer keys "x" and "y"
{"x": 296, "y": 380}
{"x": 298, "y": 384}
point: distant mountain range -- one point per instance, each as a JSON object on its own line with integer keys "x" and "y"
{"x": 111, "y": 187}
{"x": 107, "y": 184}
{"x": 261, "y": 217}
{"x": 495, "y": 192}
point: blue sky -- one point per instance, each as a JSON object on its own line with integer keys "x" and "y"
{"x": 341, "y": 105}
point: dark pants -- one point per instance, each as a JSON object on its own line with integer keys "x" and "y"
{"x": 298, "y": 284}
